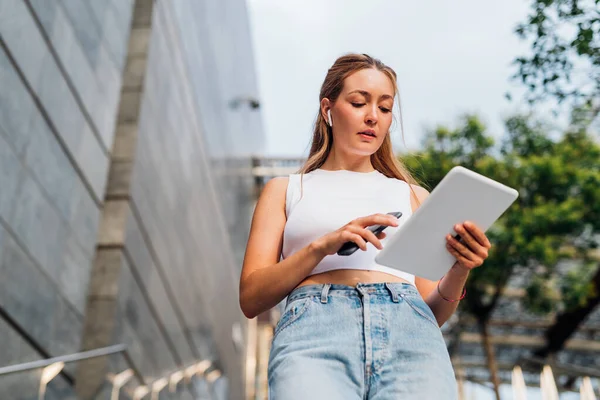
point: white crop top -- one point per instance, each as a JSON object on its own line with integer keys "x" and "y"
{"x": 327, "y": 200}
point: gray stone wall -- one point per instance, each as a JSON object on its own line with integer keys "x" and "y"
{"x": 214, "y": 37}
{"x": 60, "y": 77}
{"x": 61, "y": 64}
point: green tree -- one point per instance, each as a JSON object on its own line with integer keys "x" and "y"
{"x": 564, "y": 62}
{"x": 555, "y": 217}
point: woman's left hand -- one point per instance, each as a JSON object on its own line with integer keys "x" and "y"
{"x": 473, "y": 248}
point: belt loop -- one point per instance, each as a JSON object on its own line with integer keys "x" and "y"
{"x": 325, "y": 292}
{"x": 393, "y": 292}
{"x": 360, "y": 288}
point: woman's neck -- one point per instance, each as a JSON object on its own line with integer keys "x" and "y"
{"x": 336, "y": 162}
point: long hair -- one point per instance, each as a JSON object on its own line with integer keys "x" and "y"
{"x": 383, "y": 160}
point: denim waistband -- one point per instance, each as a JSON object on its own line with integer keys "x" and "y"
{"x": 393, "y": 289}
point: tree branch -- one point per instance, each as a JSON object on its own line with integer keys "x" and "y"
{"x": 568, "y": 322}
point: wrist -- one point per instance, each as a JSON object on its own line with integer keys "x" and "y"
{"x": 459, "y": 271}
{"x": 450, "y": 300}
{"x": 316, "y": 249}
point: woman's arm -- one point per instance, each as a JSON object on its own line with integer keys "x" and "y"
{"x": 452, "y": 284}
{"x": 265, "y": 281}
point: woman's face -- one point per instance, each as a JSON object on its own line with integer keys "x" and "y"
{"x": 362, "y": 114}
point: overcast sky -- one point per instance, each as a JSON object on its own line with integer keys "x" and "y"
{"x": 451, "y": 58}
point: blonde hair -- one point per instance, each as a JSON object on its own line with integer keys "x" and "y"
{"x": 384, "y": 159}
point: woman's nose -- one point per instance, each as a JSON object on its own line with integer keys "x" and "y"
{"x": 371, "y": 117}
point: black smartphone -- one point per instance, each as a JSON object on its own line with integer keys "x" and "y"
{"x": 349, "y": 248}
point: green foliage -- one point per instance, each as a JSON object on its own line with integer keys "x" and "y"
{"x": 541, "y": 295}
{"x": 564, "y": 62}
{"x": 576, "y": 286}
{"x": 556, "y": 217}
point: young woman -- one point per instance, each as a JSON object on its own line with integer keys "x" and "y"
{"x": 351, "y": 329}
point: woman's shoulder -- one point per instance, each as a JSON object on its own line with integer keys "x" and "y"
{"x": 417, "y": 195}
{"x": 420, "y": 191}
{"x": 277, "y": 185}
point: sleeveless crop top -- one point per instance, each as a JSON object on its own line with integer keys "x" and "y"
{"x": 323, "y": 201}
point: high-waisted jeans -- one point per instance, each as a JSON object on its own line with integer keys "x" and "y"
{"x": 374, "y": 341}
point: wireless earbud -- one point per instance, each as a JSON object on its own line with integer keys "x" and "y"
{"x": 329, "y": 117}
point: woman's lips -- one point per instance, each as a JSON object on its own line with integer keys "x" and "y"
{"x": 369, "y": 135}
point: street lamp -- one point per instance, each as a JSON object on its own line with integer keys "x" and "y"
{"x": 118, "y": 381}
{"x": 157, "y": 387}
{"x": 252, "y": 102}
{"x": 48, "y": 374}
{"x": 174, "y": 380}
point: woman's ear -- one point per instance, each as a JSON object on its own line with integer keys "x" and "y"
{"x": 325, "y": 109}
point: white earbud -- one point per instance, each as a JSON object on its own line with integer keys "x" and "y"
{"x": 329, "y": 117}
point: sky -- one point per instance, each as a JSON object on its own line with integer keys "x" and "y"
{"x": 451, "y": 58}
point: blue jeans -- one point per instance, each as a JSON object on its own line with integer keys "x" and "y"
{"x": 375, "y": 341}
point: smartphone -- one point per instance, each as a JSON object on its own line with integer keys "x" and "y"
{"x": 349, "y": 248}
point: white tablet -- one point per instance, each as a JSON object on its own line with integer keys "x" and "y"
{"x": 419, "y": 245}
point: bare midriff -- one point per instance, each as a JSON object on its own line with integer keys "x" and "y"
{"x": 350, "y": 277}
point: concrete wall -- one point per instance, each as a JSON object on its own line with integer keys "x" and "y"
{"x": 60, "y": 74}
{"x": 61, "y": 65}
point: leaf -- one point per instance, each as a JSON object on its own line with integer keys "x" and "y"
{"x": 564, "y": 41}
{"x": 576, "y": 286}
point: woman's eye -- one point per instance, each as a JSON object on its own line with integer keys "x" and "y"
{"x": 357, "y": 105}
{"x": 385, "y": 110}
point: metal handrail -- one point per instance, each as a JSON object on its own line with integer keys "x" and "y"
{"x": 84, "y": 355}
{"x": 200, "y": 367}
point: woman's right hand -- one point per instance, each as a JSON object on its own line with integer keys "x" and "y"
{"x": 354, "y": 231}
